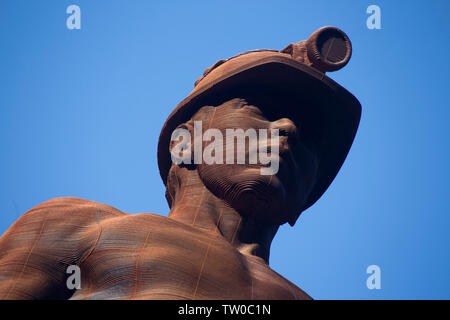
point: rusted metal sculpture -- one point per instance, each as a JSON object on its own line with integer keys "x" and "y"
{"x": 215, "y": 242}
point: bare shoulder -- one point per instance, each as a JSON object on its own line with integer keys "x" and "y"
{"x": 71, "y": 208}
{"x": 67, "y": 215}
{"x": 71, "y": 205}
{"x": 46, "y": 239}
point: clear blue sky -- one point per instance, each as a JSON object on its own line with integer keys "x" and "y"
{"x": 81, "y": 111}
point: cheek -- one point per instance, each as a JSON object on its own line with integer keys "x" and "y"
{"x": 214, "y": 178}
{"x": 227, "y": 181}
{"x": 246, "y": 190}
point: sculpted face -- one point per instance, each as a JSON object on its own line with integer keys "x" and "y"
{"x": 275, "y": 198}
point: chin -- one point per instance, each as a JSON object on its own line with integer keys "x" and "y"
{"x": 261, "y": 197}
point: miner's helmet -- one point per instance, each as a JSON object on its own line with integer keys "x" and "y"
{"x": 329, "y": 114}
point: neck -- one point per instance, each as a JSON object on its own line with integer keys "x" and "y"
{"x": 195, "y": 205}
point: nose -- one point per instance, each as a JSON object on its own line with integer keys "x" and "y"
{"x": 286, "y": 128}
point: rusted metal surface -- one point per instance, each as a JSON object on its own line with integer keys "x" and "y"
{"x": 215, "y": 243}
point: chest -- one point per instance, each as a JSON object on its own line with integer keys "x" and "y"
{"x": 167, "y": 262}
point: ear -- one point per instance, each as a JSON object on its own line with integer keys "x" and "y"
{"x": 180, "y": 147}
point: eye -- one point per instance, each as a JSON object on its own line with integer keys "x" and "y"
{"x": 283, "y": 132}
{"x": 292, "y": 136}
